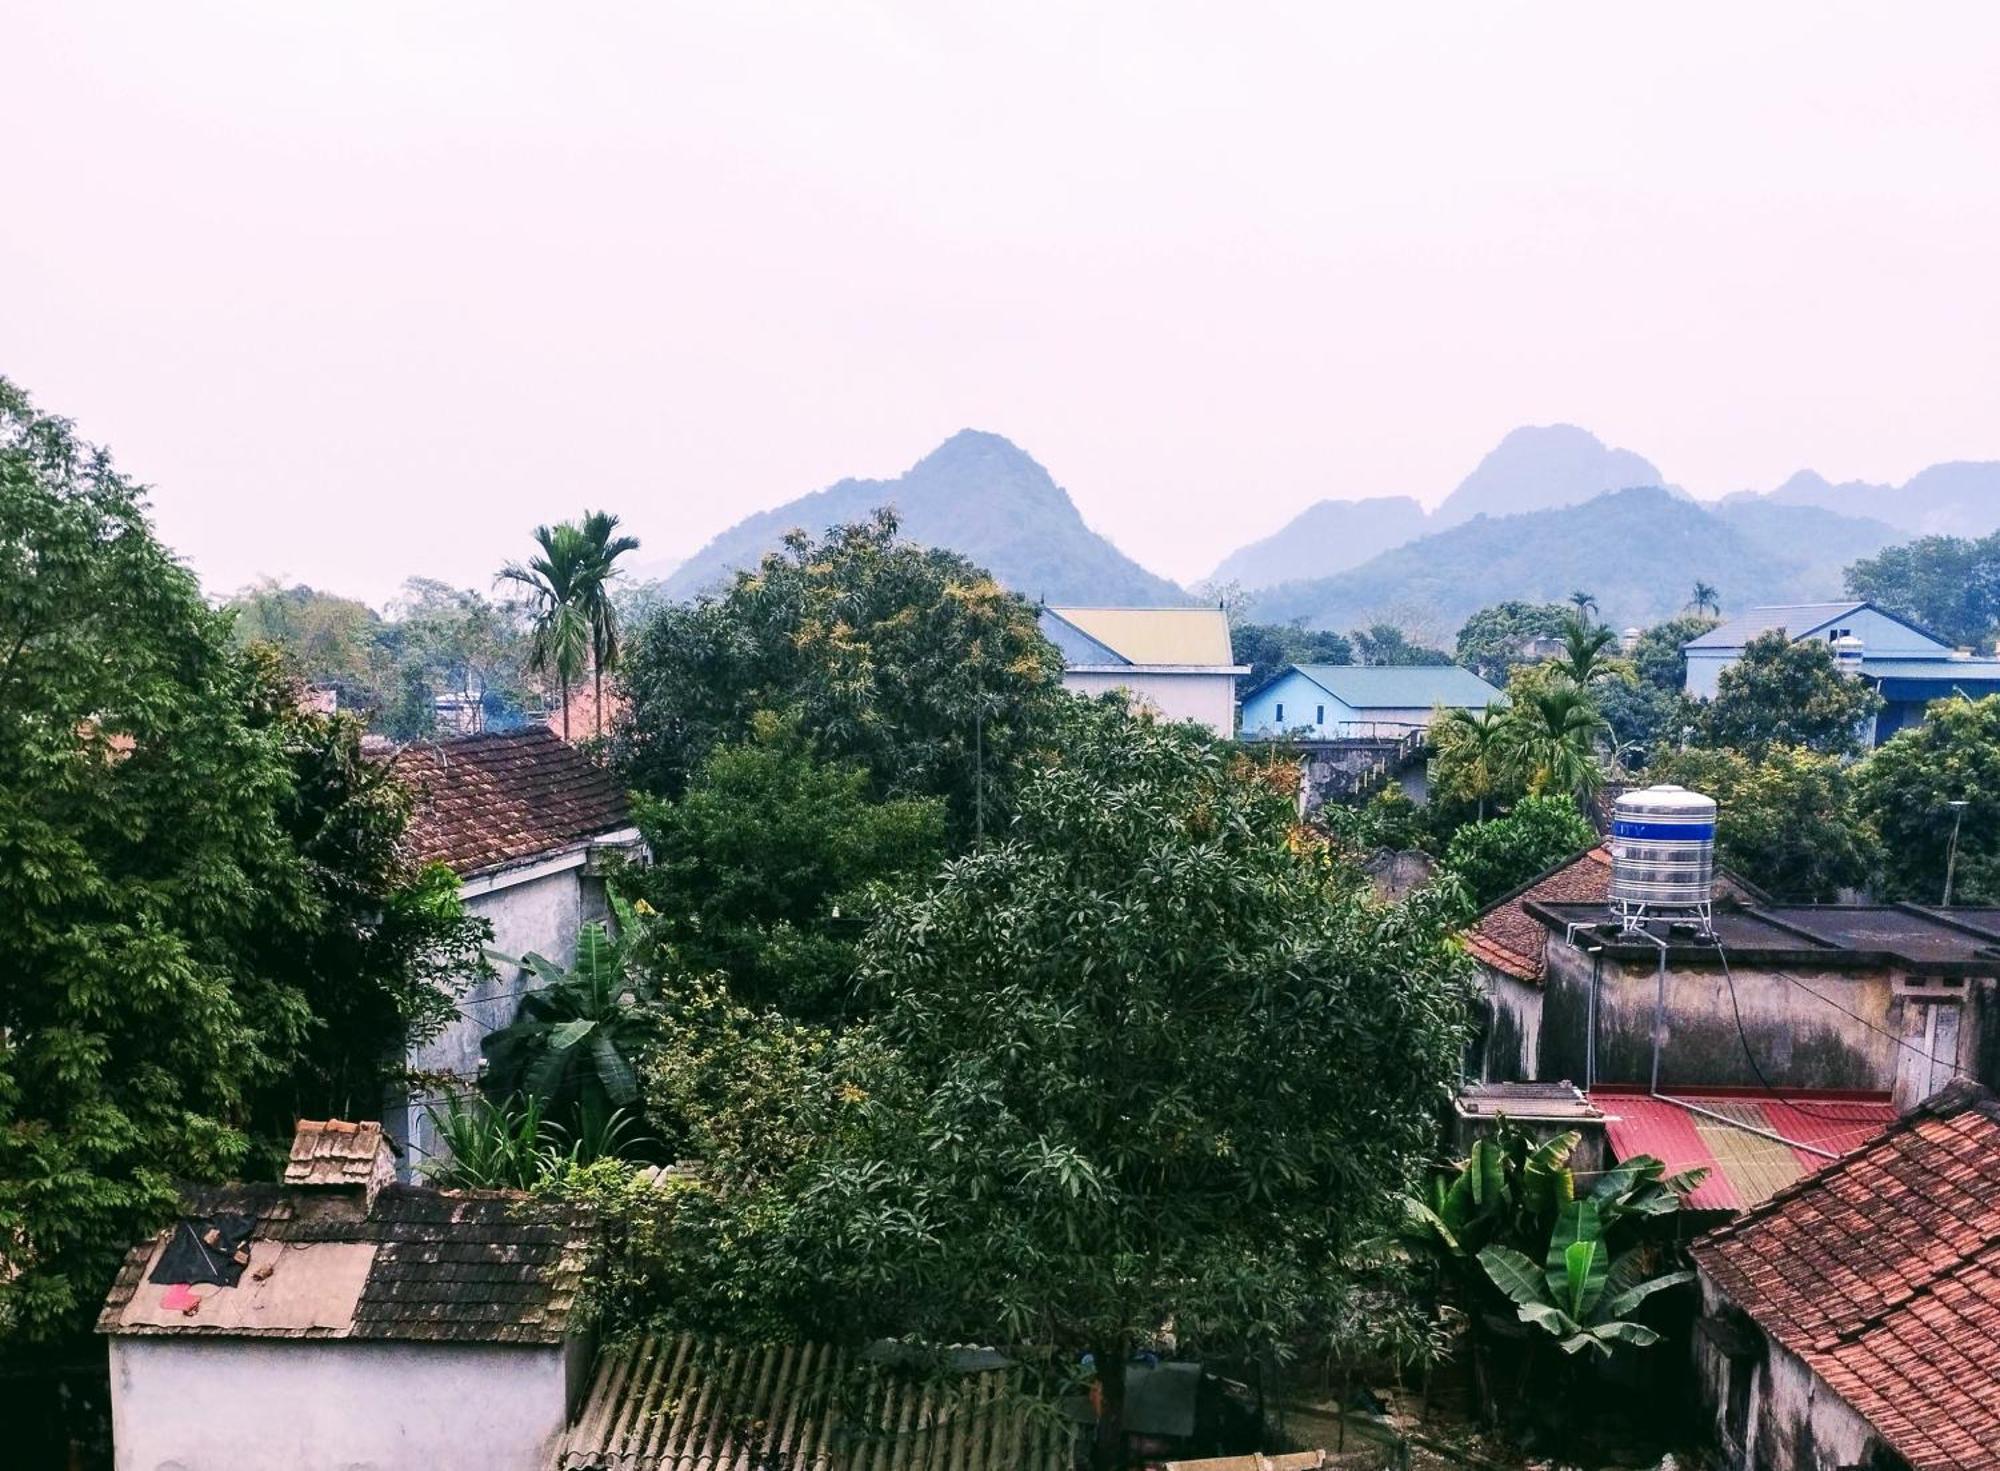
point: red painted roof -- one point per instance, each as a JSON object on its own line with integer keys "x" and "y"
{"x": 1744, "y": 1169}
{"x": 1882, "y": 1273}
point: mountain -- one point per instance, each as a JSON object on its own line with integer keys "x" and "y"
{"x": 1536, "y": 468}
{"x": 1326, "y": 537}
{"x": 1638, "y": 550}
{"x": 1957, "y": 498}
{"x": 977, "y": 494}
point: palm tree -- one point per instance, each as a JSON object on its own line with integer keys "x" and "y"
{"x": 560, "y": 582}
{"x": 1582, "y": 659}
{"x": 1705, "y": 599}
{"x": 1485, "y": 733}
{"x": 1553, "y": 736}
{"x": 606, "y": 549}
{"x": 1585, "y": 603}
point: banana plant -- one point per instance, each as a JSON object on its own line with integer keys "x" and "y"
{"x": 1579, "y": 1294}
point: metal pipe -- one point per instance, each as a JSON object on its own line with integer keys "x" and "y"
{"x": 1590, "y": 1019}
{"x": 1723, "y": 1118}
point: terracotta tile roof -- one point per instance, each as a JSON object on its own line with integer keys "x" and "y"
{"x": 1882, "y": 1272}
{"x": 421, "y": 1265}
{"x": 1514, "y": 942}
{"x": 1744, "y": 1169}
{"x": 333, "y": 1152}
{"x": 683, "y": 1404}
{"x": 486, "y": 801}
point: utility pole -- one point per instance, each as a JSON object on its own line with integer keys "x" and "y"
{"x": 1951, "y": 858}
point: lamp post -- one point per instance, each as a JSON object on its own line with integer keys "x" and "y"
{"x": 1951, "y": 856}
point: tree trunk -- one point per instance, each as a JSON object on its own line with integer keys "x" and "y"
{"x": 562, "y": 684}
{"x": 1108, "y": 1453}
{"x": 597, "y": 674}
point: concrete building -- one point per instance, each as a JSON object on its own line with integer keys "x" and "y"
{"x": 1175, "y": 662}
{"x": 1853, "y": 1320}
{"x": 1346, "y": 702}
{"x": 529, "y": 825}
{"x": 1908, "y": 666}
{"x": 343, "y": 1322}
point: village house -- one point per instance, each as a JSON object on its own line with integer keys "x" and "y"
{"x": 530, "y": 826}
{"x": 1802, "y": 1032}
{"x": 1853, "y": 1319}
{"x": 1908, "y": 665}
{"x": 1176, "y": 662}
{"x": 342, "y": 1321}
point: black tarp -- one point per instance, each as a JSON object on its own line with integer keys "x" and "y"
{"x": 206, "y": 1249}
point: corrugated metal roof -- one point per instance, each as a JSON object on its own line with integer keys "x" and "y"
{"x": 1795, "y": 619}
{"x": 685, "y": 1404}
{"x": 1192, "y": 636}
{"x": 1888, "y": 666}
{"x": 1402, "y": 687}
{"x": 1744, "y": 1169}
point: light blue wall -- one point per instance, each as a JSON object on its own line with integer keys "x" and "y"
{"x": 1307, "y": 709}
{"x": 1878, "y": 633}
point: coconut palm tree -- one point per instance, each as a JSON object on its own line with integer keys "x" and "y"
{"x": 559, "y": 583}
{"x": 1705, "y": 600}
{"x": 1582, "y": 659}
{"x": 1585, "y": 603}
{"x": 1553, "y": 735}
{"x": 605, "y": 549}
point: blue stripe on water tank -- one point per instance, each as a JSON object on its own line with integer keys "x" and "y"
{"x": 1684, "y": 831}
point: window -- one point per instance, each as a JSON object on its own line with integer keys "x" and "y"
{"x": 1320, "y": 718}
{"x": 1281, "y": 712}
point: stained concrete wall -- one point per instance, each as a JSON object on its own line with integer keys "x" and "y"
{"x": 1510, "y": 1052}
{"x": 542, "y": 915}
{"x": 216, "y": 1404}
{"x": 1795, "y": 1422}
{"x": 1207, "y": 699}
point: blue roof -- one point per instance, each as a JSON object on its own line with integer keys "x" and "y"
{"x": 1795, "y": 621}
{"x": 1400, "y": 686}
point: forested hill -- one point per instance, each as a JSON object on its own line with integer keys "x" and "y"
{"x": 1639, "y": 551}
{"x": 976, "y": 493}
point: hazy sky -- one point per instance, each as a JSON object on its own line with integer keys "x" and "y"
{"x": 368, "y": 289}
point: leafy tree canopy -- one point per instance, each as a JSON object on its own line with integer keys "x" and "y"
{"x": 768, "y": 866}
{"x": 1269, "y": 647}
{"x": 1657, "y": 658}
{"x": 910, "y": 661}
{"x": 1385, "y": 643}
{"x": 1495, "y": 639}
{"x": 1949, "y": 584}
{"x": 1788, "y": 821}
{"x": 207, "y": 927}
{"x": 1496, "y": 856}
{"x": 1906, "y": 788}
{"x": 1789, "y": 694}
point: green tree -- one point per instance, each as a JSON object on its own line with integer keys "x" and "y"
{"x": 207, "y": 924}
{"x": 1782, "y": 693}
{"x": 1492, "y": 858}
{"x": 908, "y": 660}
{"x": 461, "y": 642}
{"x": 600, "y": 609}
{"x": 1949, "y": 584}
{"x": 328, "y": 639}
{"x": 1470, "y": 760}
{"x": 1583, "y": 661}
{"x": 1788, "y": 821}
{"x": 1080, "y": 1005}
{"x": 1384, "y": 643}
{"x": 1493, "y": 640}
{"x": 1906, "y": 788}
{"x": 1268, "y": 648}
{"x": 1705, "y": 602}
{"x": 1658, "y": 658}
{"x": 1554, "y": 729}
{"x": 769, "y": 866}
{"x": 562, "y": 585}
{"x": 1584, "y": 604}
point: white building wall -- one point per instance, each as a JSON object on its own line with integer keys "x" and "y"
{"x": 242, "y": 1404}
{"x": 1207, "y": 699}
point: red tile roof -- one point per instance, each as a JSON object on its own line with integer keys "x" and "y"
{"x": 1744, "y": 1169}
{"x": 1882, "y": 1272}
{"x": 1515, "y": 943}
{"x": 486, "y": 801}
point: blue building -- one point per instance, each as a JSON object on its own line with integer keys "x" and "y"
{"x": 1336, "y": 702}
{"x": 1908, "y": 665}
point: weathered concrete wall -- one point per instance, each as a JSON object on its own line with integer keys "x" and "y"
{"x": 188, "y": 1404}
{"x": 1511, "y": 1052}
{"x": 1207, "y": 699}
{"x": 542, "y": 915}
{"x": 1799, "y": 1041}
{"x": 1795, "y": 1422}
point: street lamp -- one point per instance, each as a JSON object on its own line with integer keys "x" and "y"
{"x": 1951, "y": 858}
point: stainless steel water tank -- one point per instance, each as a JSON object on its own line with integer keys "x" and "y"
{"x": 1662, "y": 850}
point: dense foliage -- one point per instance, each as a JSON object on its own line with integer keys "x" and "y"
{"x": 1385, "y": 643}
{"x": 1493, "y": 640}
{"x": 911, "y": 662}
{"x": 1905, "y": 791}
{"x": 1269, "y": 647}
{"x": 1494, "y": 857}
{"x": 206, "y": 926}
{"x": 1782, "y": 693}
{"x": 1788, "y": 821}
{"x": 1948, "y": 584}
